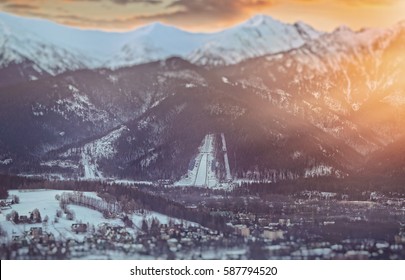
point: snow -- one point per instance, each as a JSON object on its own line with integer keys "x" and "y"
{"x": 60, "y": 163}
{"x": 55, "y": 48}
{"x": 190, "y": 85}
{"x": 78, "y": 105}
{"x": 202, "y": 173}
{"x": 131, "y": 182}
{"x": 45, "y": 201}
{"x": 189, "y": 76}
{"x": 225, "y": 80}
{"x": 149, "y": 160}
{"x": 348, "y": 90}
{"x": 382, "y": 245}
{"x": 297, "y": 155}
{"x": 395, "y": 99}
{"x": 318, "y": 171}
{"x": 6, "y": 161}
{"x": 227, "y": 168}
{"x": 89, "y": 165}
{"x": 258, "y": 36}
{"x": 324, "y": 252}
{"x": 155, "y": 42}
{"x": 99, "y": 149}
{"x": 163, "y": 219}
{"x": 201, "y": 178}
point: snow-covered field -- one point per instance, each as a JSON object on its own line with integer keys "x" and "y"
{"x": 46, "y": 203}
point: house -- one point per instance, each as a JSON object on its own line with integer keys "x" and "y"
{"x": 273, "y": 234}
{"x": 400, "y": 238}
{"x": 82, "y": 228}
{"x": 242, "y": 230}
{"x": 16, "y": 239}
{"x": 48, "y": 238}
{"x": 186, "y": 241}
{"x": 284, "y": 222}
{"x": 236, "y": 255}
{"x": 35, "y": 232}
{"x": 120, "y": 234}
{"x": 264, "y": 221}
{"x": 24, "y": 219}
{"x": 5, "y": 204}
{"x": 173, "y": 244}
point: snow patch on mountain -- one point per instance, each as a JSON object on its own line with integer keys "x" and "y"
{"x": 19, "y": 43}
{"x": 226, "y": 81}
{"x": 149, "y": 159}
{"x": 187, "y": 75}
{"x": 79, "y": 105}
{"x": 6, "y": 161}
{"x": 60, "y": 163}
{"x": 318, "y": 171}
{"x": 395, "y": 99}
{"x": 258, "y": 36}
{"x": 202, "y": 168}
{"x": 102, "y": 148}
{"x": 155, "y": 42}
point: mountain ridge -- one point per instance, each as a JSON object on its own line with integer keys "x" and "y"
{"x": 54, "y": 48}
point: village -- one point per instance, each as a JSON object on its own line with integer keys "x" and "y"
{"x": 59, "y": 230}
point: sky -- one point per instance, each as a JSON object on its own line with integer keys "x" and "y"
{"x": 209, "y": 15}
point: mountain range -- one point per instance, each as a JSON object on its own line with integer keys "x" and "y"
{"x": 44, "y": 47}
{"x": 289, "y": 101}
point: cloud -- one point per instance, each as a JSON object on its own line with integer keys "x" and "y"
{"x": 17, "y": 6}
{"x": 220, "y": 7}
{"x": 353, "y": 3}
{"x": 125, "y": 2}
{"x": 368, "y": 2}
{"x": 189, "y": 14}
{"x": 209, "y": 9}
{"x": 183, "y": 12}
{"x": 122, "y": 2}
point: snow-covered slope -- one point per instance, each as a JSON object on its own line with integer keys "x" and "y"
{"x": 54, "y": 48}
{"x": 50, "y": 47}
{"x": 258, "y": 36}
{"x": 155, "y": 42}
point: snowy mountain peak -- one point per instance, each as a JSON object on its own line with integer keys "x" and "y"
{"x": 343, "y": 29}
{"x": 307, "y": 31}
{"x": 258, "y": 36}
{"x": 156, "y": 27}
{"x": 400, "y": 25}
{"x": 260, "y": 19}
{"x": 54, "y": 48}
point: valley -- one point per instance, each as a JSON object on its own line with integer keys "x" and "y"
{"x": 266, "y": 140}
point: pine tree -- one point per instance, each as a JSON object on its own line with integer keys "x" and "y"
{"x": 145, "y": 227}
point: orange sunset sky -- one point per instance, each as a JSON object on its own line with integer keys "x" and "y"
{"x": 209, "y": 15}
